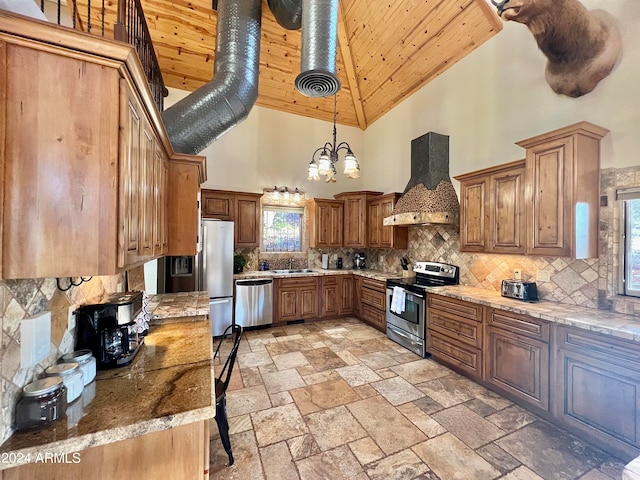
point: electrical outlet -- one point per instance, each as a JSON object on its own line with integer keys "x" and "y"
{"x": 71, "y": 322}
{"x": 381, "y": 258}
{"x": 543, "y": 276}
{"x": 517, "y": 274}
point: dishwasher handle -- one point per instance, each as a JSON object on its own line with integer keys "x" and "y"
{"x": 254, "y": 283}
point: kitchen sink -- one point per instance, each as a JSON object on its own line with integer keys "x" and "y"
{"x": 296, "y": 270}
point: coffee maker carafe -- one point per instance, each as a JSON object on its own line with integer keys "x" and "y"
{"x": 359, "y": 261}
{"x": 109, "y": 331}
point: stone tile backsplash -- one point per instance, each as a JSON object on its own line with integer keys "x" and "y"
{"x": 23, "y": 298}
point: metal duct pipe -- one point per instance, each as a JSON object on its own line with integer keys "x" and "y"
{"x": 319, "y": 42}
{"x": 205, "y": 115}
{"x": 288, "y": 13}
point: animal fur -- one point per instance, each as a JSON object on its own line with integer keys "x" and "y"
{"x": 582, "y": 46}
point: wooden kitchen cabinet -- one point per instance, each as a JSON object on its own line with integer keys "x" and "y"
{"x": 296, "y": 298}
{"x": 330, "y": 296}
{"x": 492, "y": 212}
{"x": 325, "y": 223}
{"x": 373, "y": 303}
{"x": 346, "y": 294}
{"x": 385, "y": 236}
{"x": 455, "y": 333}
{"x": 357, "y": 296}
{"x": 83, "y": 168}
{"x": 563, "y": 194}
{"x": 355, "y": 217}
{"x": 242, "y": 208}
{"x": 517, "y": 356}
{"x": 597, "y": 378}
{"x": 186, "y": 174}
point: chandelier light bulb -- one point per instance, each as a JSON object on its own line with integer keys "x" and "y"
{"x": 350, "y": 164}
{"x": 314, "y": 174}
{"x": 324, "y": 164}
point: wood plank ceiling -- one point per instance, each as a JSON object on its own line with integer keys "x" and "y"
{"x": 387, "y": 51}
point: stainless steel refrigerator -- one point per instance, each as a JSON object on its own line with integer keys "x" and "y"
{"x": 216, "y": 272}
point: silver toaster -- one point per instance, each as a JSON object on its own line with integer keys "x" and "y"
{"x": 527, "y": 291}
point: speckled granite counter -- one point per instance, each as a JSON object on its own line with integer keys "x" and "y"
{"x": 168, "y": 384}
{"x": 178, "y": 305}
{"x": 318, "y": 272}
{"x": 601, "y": 321}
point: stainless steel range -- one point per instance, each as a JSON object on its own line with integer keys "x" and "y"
{"x": 407, "y": 303}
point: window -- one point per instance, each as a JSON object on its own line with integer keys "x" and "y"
{"x": 281, "y": 229}
{"x": 630, "y": 241}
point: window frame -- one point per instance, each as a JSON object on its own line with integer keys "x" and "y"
{"x": 625, "y": 196}
{"x": 282, "y": 208}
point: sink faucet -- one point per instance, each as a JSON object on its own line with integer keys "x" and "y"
{"x": 291, "y": 263}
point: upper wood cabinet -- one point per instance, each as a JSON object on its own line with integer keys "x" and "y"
{"x": 562, "y": 198}
{"x": 325, "y": 223}
{"x": 379, "y": 235}
{"x": 84, "y": 157}
{"x": 186, "y": 174}
{"x": 355, "y": 217}
{"x": 240, "y": 207}
{"x": 492, "y": 210}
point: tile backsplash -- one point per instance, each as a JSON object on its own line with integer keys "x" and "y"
{"x": 23, "y": 298}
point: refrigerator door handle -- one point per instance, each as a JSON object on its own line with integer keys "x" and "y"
{"x": 203, "y": 252}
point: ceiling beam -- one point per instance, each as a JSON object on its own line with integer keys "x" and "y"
{"x": 350, "y": 70}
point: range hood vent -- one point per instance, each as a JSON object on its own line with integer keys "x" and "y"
{"x": 429, "y": 197}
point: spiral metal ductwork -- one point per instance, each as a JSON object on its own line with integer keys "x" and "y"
{"x": 319, "y": 42}
{"x": 206, "y": 114}
{"x": 288, "y": 13}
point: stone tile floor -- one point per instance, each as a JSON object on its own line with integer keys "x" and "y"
{"x": 336, "y": 399}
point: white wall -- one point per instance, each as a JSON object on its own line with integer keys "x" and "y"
{"x": 494, "y": 97}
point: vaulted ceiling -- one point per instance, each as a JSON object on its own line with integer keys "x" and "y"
{"x": 387, "y": 50}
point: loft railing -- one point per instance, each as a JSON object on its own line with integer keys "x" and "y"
{"x": 125, "y": 22}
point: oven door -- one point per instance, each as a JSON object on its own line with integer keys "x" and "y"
{"x": 412, "y": 319}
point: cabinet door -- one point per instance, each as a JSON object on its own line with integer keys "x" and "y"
{"x": 346, "y": 294}
{"x": 518, "y": 365}
{"x": 330, "y": 301}
{"x": 473, "y": 215}
{"x": 287, "y": 304}
{"x": 355, "y": 221}
{"x": 147, "y": 190}
{"x": 308, "y": 302}
{"x": 335, "y": 225}
{"x": 506, "y": 207}
{"x": 160, "y": 205}
{"x": 217, "y": 205}
{"x": 357, "y": 295}
{"x": 130, "y": 169}
{"x": 386, "y": 232}
{"x": 247, "y": 217}
{"x": 325, "y": 229}
{"x": 375, "y": 223}
{"x": 549, "y": 169}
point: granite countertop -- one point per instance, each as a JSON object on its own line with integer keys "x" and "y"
{"x": 169, "y": 383}
{"x": 317, "y": 272}
{"x": 170, "y": 306}
{"x": 600, "y": 321}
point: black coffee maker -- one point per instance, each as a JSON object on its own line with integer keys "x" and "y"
{"x": 109, "y": 331}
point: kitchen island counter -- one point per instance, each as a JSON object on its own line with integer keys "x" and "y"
{"x": 169, "y": 384}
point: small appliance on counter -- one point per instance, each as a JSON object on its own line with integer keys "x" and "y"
{"x": 520, "y": 290}
{"x": 108, "y": 329}
{"x": 359, "y": 261}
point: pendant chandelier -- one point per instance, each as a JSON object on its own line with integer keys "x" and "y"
{"x": 326, "y": 164}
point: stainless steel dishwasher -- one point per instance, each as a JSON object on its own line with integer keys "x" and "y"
{"x": 254, "y": 302}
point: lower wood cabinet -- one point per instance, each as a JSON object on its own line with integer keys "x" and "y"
{"x": 517, "y": 356}
{"x": 330, "y": 296}
{"x": 454, "y": 333}
{"x": 373, "y": 303}
{"x": 295, "y": 298}
{"x": 346, "y": 294}
{"x": 598, "y": 385}
{"x": 179, "y": 452}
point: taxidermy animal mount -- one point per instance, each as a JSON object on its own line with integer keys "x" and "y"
{"x": 582, "y": 46}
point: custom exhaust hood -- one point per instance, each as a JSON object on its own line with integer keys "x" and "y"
{"x": 429, "y": 197}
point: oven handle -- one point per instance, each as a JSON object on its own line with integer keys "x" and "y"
{"x": 408, "y": 294}
{"x": 402, "y": 334}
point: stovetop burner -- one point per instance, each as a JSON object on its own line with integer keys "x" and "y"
{"x": 428, "y": 274}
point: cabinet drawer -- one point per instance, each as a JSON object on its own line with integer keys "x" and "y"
{"x": 456, "y": 307}
{"x": 460, "y": 328}
{"x": 296, "y": 282}
{"x": 455, "y": 353}
{"x": 520, "y": 324}
{"x": 374, "y": 316}
{"x": 330, "y": 280}
{"x": 374, "y": 285}
{"x": 605, "y": 347}
{"x": 373, "y": 298}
